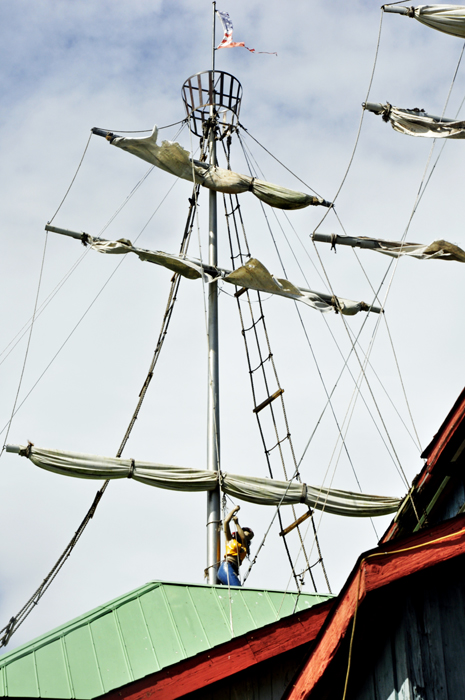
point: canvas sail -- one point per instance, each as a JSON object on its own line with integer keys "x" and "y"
{"x": 268, "y": 492}
{"x": 252, "y": 275}
{"x": 174, "y": 159}
{"x": 437, "y": 250}
{"x": 449, "y": 19}
{"x": 416, "y": 122}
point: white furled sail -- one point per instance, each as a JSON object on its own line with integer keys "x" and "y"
{"x": 267, "y": 492}
{"x": 449, "y": 19}
{"x": 416, "y": 122}
{"x": 173, "y": 158}
{"x": 252, "y": 275}
{"x": 437, "y": 250}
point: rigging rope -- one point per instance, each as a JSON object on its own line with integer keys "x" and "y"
{"x": 74, "y": 177}
{"x": 309, "y": 343}
{"x": 7, "y": 631}
{"x": 146, "y": 131}
{"x": 324, "y": 319}
{"x": 234, "y": 213}
{"x": 13, "y": 410}
{"x": 360, "y": 124}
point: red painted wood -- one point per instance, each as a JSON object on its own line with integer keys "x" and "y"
{"x": 445, "y": 432}
{"x": 227, "y": 659}
{"x": 374, "y": 570}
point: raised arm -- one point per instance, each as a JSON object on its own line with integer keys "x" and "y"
{"x": 227, "y": 520}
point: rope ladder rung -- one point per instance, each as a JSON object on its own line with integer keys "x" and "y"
{"x": 269, "y": 400}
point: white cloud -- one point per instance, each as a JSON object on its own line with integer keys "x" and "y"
{"x": 67, "y": 67}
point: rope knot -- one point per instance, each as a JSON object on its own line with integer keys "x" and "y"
{"x": 335, "y": 303}
{"x": 303, "y": 496}
{"x": 386, "y": 113}
{"x": 26, "y": 451}
{"x": 131, "y": 469}
{"x": 251, "y": 185}
{"x": 333, "y": 242}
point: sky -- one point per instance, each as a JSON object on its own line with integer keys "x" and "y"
{"x": 67, "y": 67}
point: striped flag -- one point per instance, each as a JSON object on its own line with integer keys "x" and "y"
{"x": 227, "y": 42}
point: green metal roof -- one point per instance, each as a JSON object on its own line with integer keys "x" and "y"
{"x": 137, "y": 634}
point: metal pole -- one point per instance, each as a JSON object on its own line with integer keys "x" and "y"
{"x": 213, "y": 418}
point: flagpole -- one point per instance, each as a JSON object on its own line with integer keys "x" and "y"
{"x": 213, "y": 35}
{"x": 213, "y": 416}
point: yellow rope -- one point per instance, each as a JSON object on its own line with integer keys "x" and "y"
{"x": 380, "y": 554}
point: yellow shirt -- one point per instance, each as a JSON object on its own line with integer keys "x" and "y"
{"x": 234, "y": 548}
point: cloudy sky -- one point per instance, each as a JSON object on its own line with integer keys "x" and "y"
{"x": 69, "y": 66}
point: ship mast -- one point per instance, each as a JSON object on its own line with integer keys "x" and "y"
{"x": 212, "y": 100}
{"x": 213, "y": 412}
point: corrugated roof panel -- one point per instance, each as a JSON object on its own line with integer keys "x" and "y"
{"x": 186, "y": 619}
{"x": 136, "y": 637}
{"x": 111, "y": 656}
{"x": 21, "y": 678}
{"x": 210, "y": 611}
{"x": 164, "y": 635}
{"x": 52, "y": 671}
{"x": 284, "y": 603}
{"x": 81, "y": 654}
{"x": 261, "y": 608}
{"x": 234, "y": 606}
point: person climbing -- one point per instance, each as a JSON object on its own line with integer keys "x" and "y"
{"x": 237, "y": 547}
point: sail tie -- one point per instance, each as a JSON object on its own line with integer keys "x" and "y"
{"x": 26, "y": 451}
{"x": 303, "y": 496}
{"x": 131, "y": 469}
{"x": 386, "y": 112}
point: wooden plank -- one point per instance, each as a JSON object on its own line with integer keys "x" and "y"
{"x": 383, "y": 673}
{"x": 434, "y": 671}
{"x": 413, "y": 653}
{"x": 452, "y": 605}
{"x": 402, "y": 681}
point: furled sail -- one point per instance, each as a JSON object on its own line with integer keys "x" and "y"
{"x": 247, "y": 488}
{"x": 437, "y": 250}
{"x": 416, "y": 122}
{"x": 173, "y": 158}
{"x": 252, "y": 275}
{"x": 449, "y": 19}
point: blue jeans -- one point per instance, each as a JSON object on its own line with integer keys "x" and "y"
{"x": 227, "y": 576}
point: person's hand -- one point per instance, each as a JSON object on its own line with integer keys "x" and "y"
{"x": 236, "y": 508}
{"x": 236, "y": 520}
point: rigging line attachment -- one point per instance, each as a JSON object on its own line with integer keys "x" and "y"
{"x": 17, "y": 620}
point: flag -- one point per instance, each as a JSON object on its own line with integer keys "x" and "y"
{"x": 227, "y": 42}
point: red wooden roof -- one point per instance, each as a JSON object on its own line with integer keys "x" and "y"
{"x": 374, "y": 570}
{"x": 445, "y": 460}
